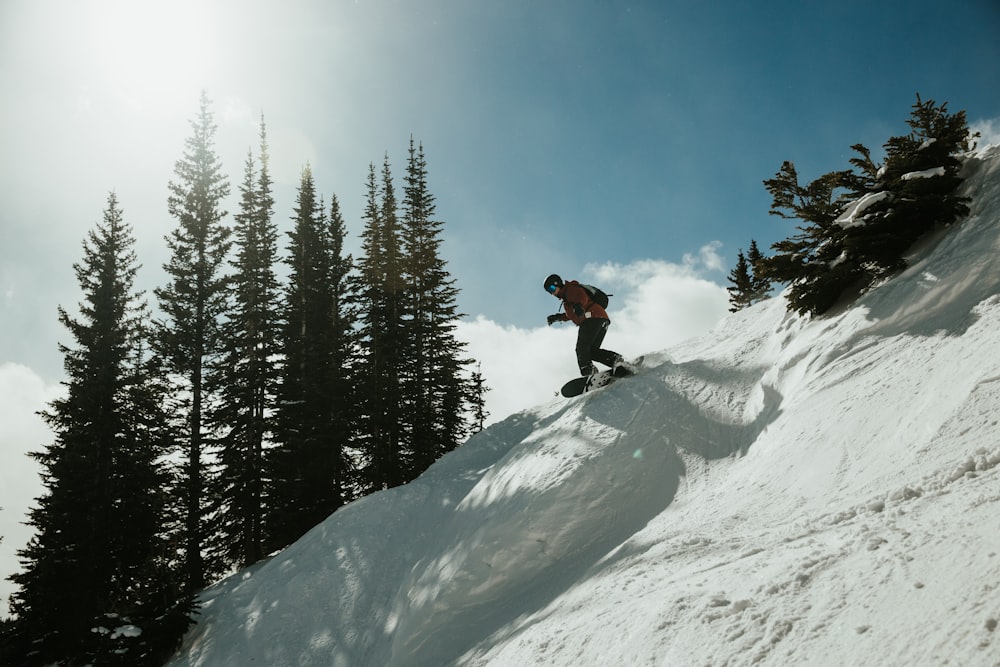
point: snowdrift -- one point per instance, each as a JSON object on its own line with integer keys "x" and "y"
{"x": 780, "y": 491}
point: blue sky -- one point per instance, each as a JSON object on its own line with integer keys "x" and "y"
{"x": 559, "y": 134}
{"x": 621, "y": 142}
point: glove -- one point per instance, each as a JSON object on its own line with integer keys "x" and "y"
{"x": 578, "y": 309}
{"x": 553, "y": 318}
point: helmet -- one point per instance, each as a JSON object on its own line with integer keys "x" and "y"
{"x": 552, "y": 283}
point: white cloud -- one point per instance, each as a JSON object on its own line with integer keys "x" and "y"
{"x": 22, "y": 395}
{"x": 655, "y": 305}
{"x": 290, "y": 150}
{"x": 522, "y": 367}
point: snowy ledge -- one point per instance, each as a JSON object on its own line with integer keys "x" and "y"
{"x": 851, "y": 217}
{"x": 926, "y": 173}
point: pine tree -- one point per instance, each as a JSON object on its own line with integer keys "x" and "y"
{"x": 311, "y": 463}
{"x": 342, "y": 353}
{"x": 436, "y": 387}
{"x": 741, "y": 290}
{"x": 251, "y": 337}
{"x": 861, "y": 223}
{"x": 190, "y": 340}
{"x": 919, "y": 183}
{"x": 749, "y": 285}
{"x": 813, "y": 261}
{"x": 760, "y": 285}
{"x": 380, "y": 295}
{"x": 97, "y": 559}
{"x": 342, "y": 350}
{"x": 478, "y": 400}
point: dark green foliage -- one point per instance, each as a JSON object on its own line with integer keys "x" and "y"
{"x": 415, "y": 392}
{"x": 98, "y": 559}
{"x": 860, "y": 223}
{"x": 9, "y": 641}
{"x": 190, "y": 340}
{"x": 748, "y": 286}
{"x": 760, "y": 285}
{"x": 251, "y": 337}
{"x": 742, "y": 284}
{"x": 433, "y": 362}
{"x": 381, "y": 339}
{"x": 920, "y": 179}
{"x": 813, "y": 260}
{"x": 311, "y": 465}
{"x": 477, "y": 400}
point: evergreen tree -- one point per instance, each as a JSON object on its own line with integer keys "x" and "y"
{"x": 436, "y": 388}
{"x": 342, "y": 350}
{"x": 8, "y": 642}
{"x": 478, "y": 400}
{"x": 311, "y": 463}
{"x": 761, "y": 286}
{"x": 813, "y": 260}
{"x": 382, "y": 331}
{"x": 96, "y": 560}
{"x": 190, "y": 340}
{"x": 342, "y": 378}
{"x": 918, "y": 184}
{"x": 741, "y": 290}
{"x": 251, "y": 338}
{"x": 860, "y": 223}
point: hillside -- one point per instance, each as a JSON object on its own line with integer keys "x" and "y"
{"x": 780, "y": 491}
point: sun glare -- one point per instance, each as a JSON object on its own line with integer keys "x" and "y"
{"x": 152, "y": 55}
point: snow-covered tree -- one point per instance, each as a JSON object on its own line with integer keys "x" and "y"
{"x": 859, "y": 224}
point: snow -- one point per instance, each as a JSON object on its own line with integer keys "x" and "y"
{"x": 780, "y": 491}
{"x": 926, "y": 173}
{"x": 853, "y": 214}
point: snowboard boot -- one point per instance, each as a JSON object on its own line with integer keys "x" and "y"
{"x": 620, "y": 367}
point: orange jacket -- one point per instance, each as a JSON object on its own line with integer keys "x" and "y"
{"x": 573, "y": 295}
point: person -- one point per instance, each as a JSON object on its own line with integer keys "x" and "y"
{"x": 592, "y": 323}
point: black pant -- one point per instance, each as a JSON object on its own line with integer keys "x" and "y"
{"x": 588, "y": 345}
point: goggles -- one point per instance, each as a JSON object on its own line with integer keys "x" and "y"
{"x": 552, "y": 288}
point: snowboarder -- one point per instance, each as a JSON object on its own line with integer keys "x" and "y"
{"x": 592, "y": 322}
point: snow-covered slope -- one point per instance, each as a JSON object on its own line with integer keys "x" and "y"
{"x": 780, "y": 491}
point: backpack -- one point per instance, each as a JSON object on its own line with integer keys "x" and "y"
{"x": 597, "y": 295}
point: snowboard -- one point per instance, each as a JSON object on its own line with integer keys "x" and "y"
{"x": 578, "y": 385}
